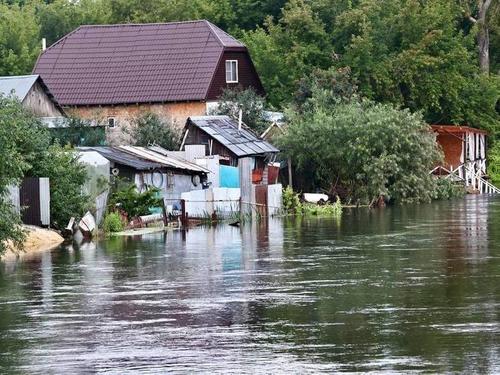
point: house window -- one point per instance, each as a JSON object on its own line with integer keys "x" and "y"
{"x": 111, "y": 122}
{"x": 231, "y": 71}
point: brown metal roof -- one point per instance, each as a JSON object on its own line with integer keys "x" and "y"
{"x": 134, "y": 63}
{"x": 456, "y": 129}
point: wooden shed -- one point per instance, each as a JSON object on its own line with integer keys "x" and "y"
{"x": 464, "y": 150}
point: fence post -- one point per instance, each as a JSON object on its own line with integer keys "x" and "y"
{"x": 183, "y": 213}
{"x": 245, "y": 169}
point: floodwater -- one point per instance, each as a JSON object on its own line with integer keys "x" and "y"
{"x": 404, "y": 289}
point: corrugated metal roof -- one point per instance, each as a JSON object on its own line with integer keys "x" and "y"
{"x": 134, "y": 63}
{"x": 154, "y": 155}
{"x": 142, "y": 158}
{"x": 225, "y": 130}
{"x": 121, "y": 157}
{"x": 19, "y": 86}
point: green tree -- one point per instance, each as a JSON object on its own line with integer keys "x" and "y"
{"x": 249, "y": 102}
{"x": 218, "y": 11}
{"x": 369, "y": 150}
{"x": 414, "y": 54}
{"x": 21, "y": 140}
{"x": 58, "y": 18}
{"x": 20, "y": 40}
{"x": 287, "y": 50}
{"x": 67, "y": 176}
{"x": 149, "y": 129}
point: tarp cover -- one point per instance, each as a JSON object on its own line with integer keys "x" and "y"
{"x": 229, "y": 177}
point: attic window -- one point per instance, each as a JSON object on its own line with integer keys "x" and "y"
{"x": 111, "y": 122}
{"x": 231, "y": 71}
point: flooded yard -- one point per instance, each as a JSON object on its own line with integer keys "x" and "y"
{"x": 402, "y": 289}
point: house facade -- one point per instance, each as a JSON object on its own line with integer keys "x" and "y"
{"x": 113, "y": 73}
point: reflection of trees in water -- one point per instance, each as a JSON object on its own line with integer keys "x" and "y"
{"x": 403, "y": 282}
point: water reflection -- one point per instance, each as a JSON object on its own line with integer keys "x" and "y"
{"x": 401, "y": 289}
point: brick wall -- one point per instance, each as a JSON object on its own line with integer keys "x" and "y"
{"x": 174, "y": 112}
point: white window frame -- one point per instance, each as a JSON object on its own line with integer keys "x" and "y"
{"x": 229, "y": 64}
{"x": 111, "y": 119}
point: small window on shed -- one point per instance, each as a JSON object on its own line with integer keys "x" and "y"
{"x": 231, "y": 71}
{"x": 112, "y": 122}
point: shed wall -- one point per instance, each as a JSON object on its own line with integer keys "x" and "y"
{"x": 452, "y": 147}
{"x": 40, "y": 103}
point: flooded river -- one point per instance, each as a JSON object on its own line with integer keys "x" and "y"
{"x": 403, "y": 289}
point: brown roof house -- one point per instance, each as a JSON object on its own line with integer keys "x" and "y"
{"x": 115, "y": 72}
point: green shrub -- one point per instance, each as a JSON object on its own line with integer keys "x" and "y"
{"x": 135, "y": 204}
{"x": 494, "y": 163}
{"x": 447, "y": 189}
{"x": 328, "y": 209}
{"x": 291, "y": 201}
{"x": 113, "y": 223}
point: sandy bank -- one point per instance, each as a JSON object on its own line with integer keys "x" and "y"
{"x": 37, "y": 240}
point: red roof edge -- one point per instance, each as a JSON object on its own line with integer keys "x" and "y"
{"x": 457, "y": 129}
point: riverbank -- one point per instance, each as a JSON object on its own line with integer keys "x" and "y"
{"x": 37, "y": 240}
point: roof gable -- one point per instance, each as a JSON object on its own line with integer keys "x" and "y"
{"x": 18, "y": 86}
{"x": 134, "y": 63}
{"x": 241, "y": 142}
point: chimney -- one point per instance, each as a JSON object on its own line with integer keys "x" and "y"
{"x": 44, "y": 44}
{"x": 240, "y": 115}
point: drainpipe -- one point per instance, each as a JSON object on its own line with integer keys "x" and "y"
{"x": 240, "y": 115}
{"x": 44, "y": 44}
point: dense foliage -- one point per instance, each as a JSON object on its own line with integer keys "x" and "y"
{"x": 126, "y": 198}
{"x": 113, "y": 223}
{"x": 77, "y": 132}
{"x": 362, "y": 150}
{"x": 149, "y": 129}
{"x": 420, "y": 55}
{"x": 27, "y": 151}
{"x": 249, "y": 102}
{"x": 67, "y": 176}
{"x": 21, "y": 140}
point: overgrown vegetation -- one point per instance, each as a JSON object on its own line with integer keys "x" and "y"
{"x": 26, "y": 150}
{"x": 133, "y": 203}
{"x": 249, "y": 102}
{"x": 292, "y": 205}
{"x": 447, "y": 189}
{"x": 113, "y": 223}
{"x": 77, "y": 132}
{"x": 361, "y": 150}
{"x": 67, "y": 176}
{"x": 149, "y": 129}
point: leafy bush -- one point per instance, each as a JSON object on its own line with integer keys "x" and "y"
{"x": 446, "y": 189}
{"x": 113, "y": 223}
{"x": 328, "y": 209}
{"x": 148, "y": 129}
{"x": 249, "y": 102}
{"x": 291, "y": 201}
{"x": 67, "y": 176}
{"x": 22, "y": 140}
{"x": 370, "y": 150}
{"x": 494, "y": 163}
{"x": 26, "y": 152}
{"x": 293, "y": 206}
{"x": 134, "y": 203}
